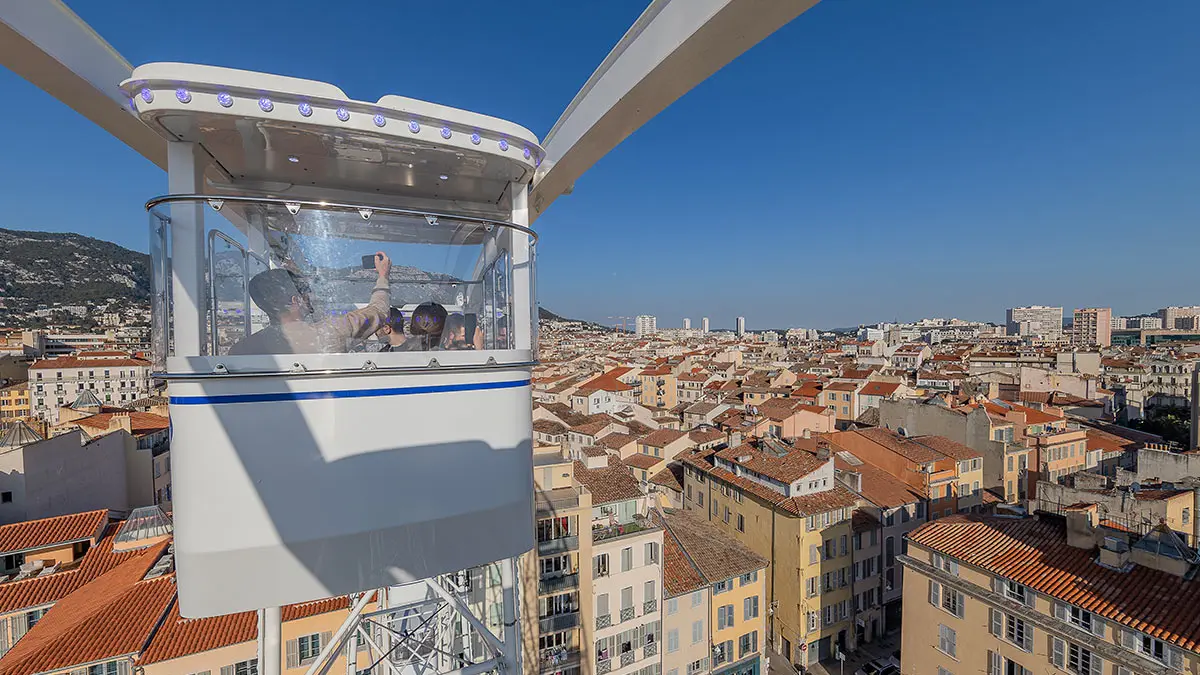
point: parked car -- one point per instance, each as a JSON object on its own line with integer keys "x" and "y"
{"x": 875, "y": 667}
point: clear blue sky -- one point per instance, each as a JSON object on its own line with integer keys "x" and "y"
{"x": 873, "y": 160}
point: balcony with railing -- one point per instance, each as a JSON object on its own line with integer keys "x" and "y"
{"x": 558, "y": 545}
{"x": 637, "y": 525}
{"x": 628, "y": 614}
{"x": 650, "y": 607}
{"x": 559, "y": 622}
{"x": 650, "y": 649}
{"x": 603, "y": 666}
{"x": 603, "y": 621}
{"x": 555, "y": 584}
{"x": 628, "y": 658}
{"x": 557, "y": 501}
{"x": 561, "y": 658}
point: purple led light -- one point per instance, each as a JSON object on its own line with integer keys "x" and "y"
{"x": 305, "y": 109}
{"x": 475, "y": 138}
{"x": 527, "y": 153}
{"x": 266, "y": 104}
{"x": 183, "y": 95}
{"x": 503, "y": 145}
{"x": 343, "y": 114}
{"x": 379, "y": 120}
{"x": 224, "y": 99}
{"x": 413, "y": 126}
{"x": 537, "y": 162}
{"x": 446, "y": 133}
{"x": 147, "y": 95}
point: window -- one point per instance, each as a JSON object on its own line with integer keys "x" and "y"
{"x": 722, "y": 586}
{"x": 600, "y": 565}
{"x": 697, "y": 631}
{"x": 1018, "y": 633}
{"x": 602, "y": 604}
{"x": 947, "y": 598}
{"x": 947, "y": 565}
{"x": 811, "y": 586}
{"x": 750, "y": 608}
{"x": 6, "y": 497}
{"x": 741, "y": 523}
{"x": 627, "y": 597}
{"x": 697, "y": 598}
{"x": 1015, "y": 591}
{"x": 651, "y": 553}
{"x": 240, "y": 668}
{"x": 648, "y": 593}
{"x": 1082, "y": 661}
{"x": 748, "y": 644}
{"x": 672, "y": 606}
{"x": 943, "y": 671}
{"x": 724, "y": 617}
{"x": 35, "y": 616}
{"x": 748, "y": 578}
{"x": 889, "y": 547}
{"x": 309, "y": 646}
{"x": 947, "y": 641}
{"x": 109, "y": 668}
{"x": 673, "y": 640}
{"x": 727, "y": 515}
{"x": 627, "y": 559}
{"x": 812, "y": 621}
{"x": 1187, "y": 516}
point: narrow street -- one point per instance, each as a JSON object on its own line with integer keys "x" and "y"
{"x": 879, "y": 649}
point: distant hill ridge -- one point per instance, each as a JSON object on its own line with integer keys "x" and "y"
{"x": 48, "y": 267}
{"x": 68, "y": 268}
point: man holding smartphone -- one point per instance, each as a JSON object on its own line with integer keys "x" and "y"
{"x": 284, "y": 297}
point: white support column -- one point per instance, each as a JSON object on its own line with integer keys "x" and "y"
{"x": 512, "y": 630}
{"x": 185, "y": 175}
{"x": 521, "y": 322}
{"x": 270, "y": 642}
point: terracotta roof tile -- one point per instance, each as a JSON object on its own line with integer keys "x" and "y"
{"x": 47, "y": 588}
{"x": 879, "y": 389}
{"x": 640, "y": 461}
{"x": 612, "y": 483}
{"x": 180, "y": 637}
{"x": 109, "y": 617}
{"x": 139, "y": 422}
{"x": 663, "y": 437}
{"x": 33, "y": 534}
{"x": 786, "y": 469}
{"x": 76, "y": 362}
{"x": 671, "y": 476}
{"x": 615, "y": 440}
{"x": 1034, "y": 552}
{"x": 708, "y": 550}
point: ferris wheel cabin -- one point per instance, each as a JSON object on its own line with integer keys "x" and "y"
{"x": 344, "y": 312}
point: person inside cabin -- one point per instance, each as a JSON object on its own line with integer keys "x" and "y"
{"x": 285, "y": 297}
{"x": 455, "y": 334}
{"x": 393, "y": 337}
{"x": 428, "y": 322}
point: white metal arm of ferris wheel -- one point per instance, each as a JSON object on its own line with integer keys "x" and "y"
{"x": 45, "y": 42}
{"x": 673, "y": 46}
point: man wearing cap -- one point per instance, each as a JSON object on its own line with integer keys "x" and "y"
{"x": 284, "y": 297}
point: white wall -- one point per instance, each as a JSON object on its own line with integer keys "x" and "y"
{"x": 62, "y": 476}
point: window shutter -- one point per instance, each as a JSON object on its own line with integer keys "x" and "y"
{"x": 1097, "y": 626}
{"x": 960, "y": 608}
{"x": 225, "y": 670}
{"x": 1027, "y": 641}
{"x": 1097, "y": 665}
{"x": 935, "y": 593}
{"x": 1122, "y": 670}
{"x": 997, "y": 621}
{"x": 1030, "y": 597}
{"x": 293, "y": 655}
{"x": 1128, "y": 639}
{"x": 1058, "y": 651}
{"x": 998, "y": 584}
{"x": 1060, "y": 611}
{"x": 995, "y": 664}
{"x": 122, "y": 667}
{"x": 1175, "y": 658}
{"x": 326, "y": 638}
{"x": 953, "y": 566}
{"x": 20, "y": 626}
{"x": 4, "y": 644}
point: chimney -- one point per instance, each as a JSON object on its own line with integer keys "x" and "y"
{"x": 823, "y": 451}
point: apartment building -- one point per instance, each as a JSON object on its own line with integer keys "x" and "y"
{"x": 113, "y": 610}
{"x": 1048, "y": 595}
{"x": 14, "y": 402}
{"x": 645, "y": 324}
{"x": 789, "y": 418}
{"x": 556, "y": 577}
{"x": 659, "y": 387}
{"x": 785, "y": 505}
{"x": 691, "y": 386}
{"x": 1093, "y": 326}
{"x": 706, "y": 569}
{"x": 842, "y": 399}
{"x": 1036, "y": 321}
{"x": 948, "y": 472}
{"x": 113, "y": 377}
{"x": 664, "y": 443}
{"x": 889, "y": 510}
{"x": 626, "y": 574}
{"x": 1178, "y": 318}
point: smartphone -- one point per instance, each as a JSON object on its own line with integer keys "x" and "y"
{"x": 368, "y": 262}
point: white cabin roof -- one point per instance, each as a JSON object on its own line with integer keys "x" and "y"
{"x": 289, "y": 137}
